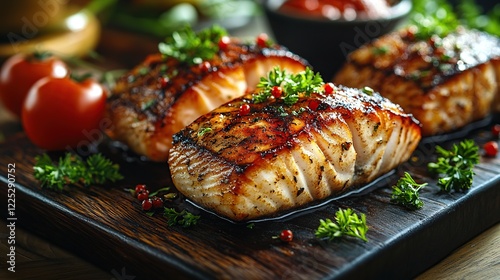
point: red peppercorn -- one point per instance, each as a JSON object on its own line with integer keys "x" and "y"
{"x": 286, "y": 235}
{"x": 147, "y": 204}
{"x": 142, "y": 195}
{"x": 314, "y": 104}
{"x": 262, "y": 40}
{"x": 205, "y": 66}
{"x": 164, "y": 81}
{"x": 139, "y": 188}
{"x": 277, "y": 91}
{"x": 495, "y": 130}
{"x": 410, "y": 32}
{"x": 491, "y": 148}
{"x": 329, "y": 89}
{"x": 244, "y": 109}
{"x": 157, "y": 202}
{"x": 224, "y": 42}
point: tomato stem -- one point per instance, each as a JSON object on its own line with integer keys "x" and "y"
{"x": 80, "y": 78}
{"x": 41, "y": 55}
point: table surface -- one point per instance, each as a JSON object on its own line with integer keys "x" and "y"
{"x": 479, "y": 258}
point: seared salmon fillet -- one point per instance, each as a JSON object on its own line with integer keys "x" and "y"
{"x": 446, "y": 83}
{"x": 161, "y": 96}
{"x": 275, "y": 157}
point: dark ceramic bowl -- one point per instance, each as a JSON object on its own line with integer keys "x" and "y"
{"x": 325, "y": 43}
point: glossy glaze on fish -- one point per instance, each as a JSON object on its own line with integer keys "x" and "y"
{"x": 446, "y": 83}
{"x": 161, "y": 96}
{"x": 280, "y": 157}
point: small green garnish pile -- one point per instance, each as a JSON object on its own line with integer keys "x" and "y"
{"x": 184, "y": 218}
{"x": 456, "y": 165}
{"x": 293, "y": 85}
{"x": 193, "y": 47}
{"x": 405, "y": 192}
{"x": 346, "y": 223}
{"x": 204, "y": 130}
{"x": 72, "y": 170}
{"x": 440, "y": 18}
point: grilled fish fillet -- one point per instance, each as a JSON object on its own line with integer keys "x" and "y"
{"x": 446, "y": 83}
{"x": 161, "y": 96}
{"x": 280, "y": 157}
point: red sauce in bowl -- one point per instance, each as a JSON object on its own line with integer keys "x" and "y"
{"x": 337, "y": 9}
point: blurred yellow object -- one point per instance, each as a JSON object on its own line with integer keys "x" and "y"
{"x": 74, "y": 35}
{"x": 30, "y": 17}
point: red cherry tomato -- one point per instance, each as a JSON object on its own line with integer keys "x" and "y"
{"x": 60, "y": 113}
{"x": 21, "y": 71}
{"x": 491, "y": 148}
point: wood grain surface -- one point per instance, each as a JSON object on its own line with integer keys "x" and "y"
{"x": 477, "y": 259}
{"x": 106, "y": 226}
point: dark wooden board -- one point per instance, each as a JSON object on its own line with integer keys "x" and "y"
{"x": 106, "y": 226}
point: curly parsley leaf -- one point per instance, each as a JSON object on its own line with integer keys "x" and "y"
{"x": 72, "y": 170}
{"x": 184, "y": 218}
{"x": 346, "y": 223}
{"x": 293, "y": 85}
{"x": 193, "y": 47}
{"x": 405, "y": 192}
{"x": 456, "y": 165}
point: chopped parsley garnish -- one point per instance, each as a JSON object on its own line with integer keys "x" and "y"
{"x": 293, "y": 85}
{"x": 148, "y": 104}
{"x": 456, "y": 165}
{"x": 72, "y": 170}
{"x": 346, "y": 223}
{"x": 380, "y": 50}
{"x": 405, "y": 192}
{"x": 368, "y": 90}
{"x": 193, "y": 47}
{"x": 184, "y": 218}
{"x": 204, "y": 130}
{"x": 143, "y": 71}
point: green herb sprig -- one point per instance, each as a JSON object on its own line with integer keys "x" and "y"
{"x": 472, "y": 16}
{"x": 440, "y": 18}
{"x": 406, "y": 192}
{"x": 346, "y": 223}
{"x": 293, "y": 85}
{"x": 436, "y": 18}
{"x": 456, "y": 165}
{"x": 193, "y": 47}
{"x": 184, "y": 218}
{"x": 72, "y": 170}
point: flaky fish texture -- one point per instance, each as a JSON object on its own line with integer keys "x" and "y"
{"x": 161, "y": 96}
{"x": 279, "y": 157}
{"x": 446, "y": 83}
